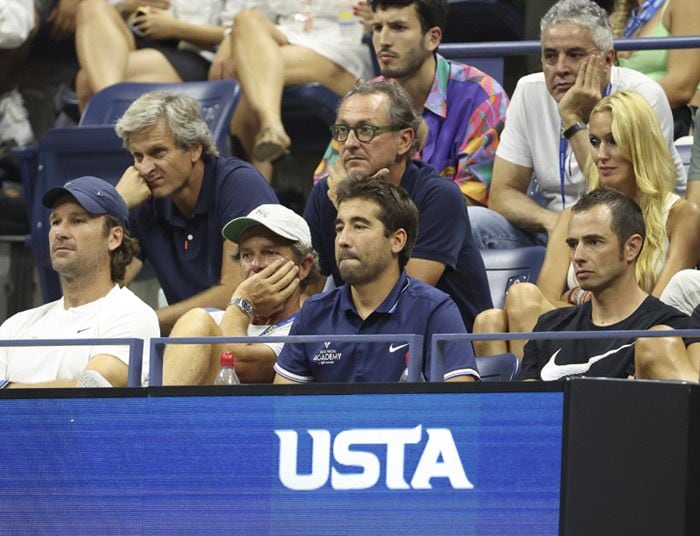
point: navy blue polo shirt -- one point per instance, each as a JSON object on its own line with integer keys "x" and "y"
{"x": 444, "y": 235}
{"x": 411, "y": 307}
{"x": 186, "y": 253}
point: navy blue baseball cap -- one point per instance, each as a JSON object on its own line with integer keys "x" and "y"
{"x": 95, "y": 195}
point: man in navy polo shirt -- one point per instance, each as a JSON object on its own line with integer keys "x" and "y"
{"x": 183, "y": 195}
{"x": 376, "y": 228}
{"x": 376, "y": 130}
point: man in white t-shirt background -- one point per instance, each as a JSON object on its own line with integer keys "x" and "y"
{"x": 546, "y": 133}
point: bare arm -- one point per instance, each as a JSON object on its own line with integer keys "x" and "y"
{"x": 684, "y": 242}
{"x": 281, "y": 380}
{"x": 509, "y": 197}
{"x": 159, "y": 25}
{"x": 254, "y": 362}
{"x": 576, "y": 105}
{"x": 114, "y": 370}
{"x": 461, "y": 379}
{"x": 426, "y": 270}
{"x": 269, "y": 291}
{"x": 216, "y": 296}
{"x": 552, "y": 278}
{"x": 683, "y": 65}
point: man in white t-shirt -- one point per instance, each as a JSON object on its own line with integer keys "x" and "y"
{"x": 546, "y": 132}
{"x": 90, "y": 249}
{"x": 278, "y": 262}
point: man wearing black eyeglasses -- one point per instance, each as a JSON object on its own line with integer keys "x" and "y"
{"x": 376, "y": 130}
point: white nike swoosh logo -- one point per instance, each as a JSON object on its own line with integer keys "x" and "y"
{"x": 551, "y": 371}
{"x": 393, "y": 348}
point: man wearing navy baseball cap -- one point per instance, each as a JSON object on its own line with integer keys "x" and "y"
{"x": 278, "y": 262}
{"x": 90, "y": 249}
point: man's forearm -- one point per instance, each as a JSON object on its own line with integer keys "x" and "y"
{"x": 520, "y": 210}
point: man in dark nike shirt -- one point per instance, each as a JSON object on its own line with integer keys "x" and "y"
{"x": 605, "y": 237}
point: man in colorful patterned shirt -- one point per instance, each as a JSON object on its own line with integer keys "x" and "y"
{"x": 461, "y": 145}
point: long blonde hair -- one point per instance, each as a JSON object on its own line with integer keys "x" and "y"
{"x": 620, "y": 16}
{"x": 637, "y": 133}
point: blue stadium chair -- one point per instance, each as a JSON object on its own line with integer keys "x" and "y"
{"x": 498, "y": 368}
{"x": 684, "y": 146}
{"x": 217, "y": 99}
{"x": 507, "y": 266}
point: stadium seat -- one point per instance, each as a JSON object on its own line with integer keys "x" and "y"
{"x": 507, "y": 266}
{"x": 498, "y": 368}
{"x": 218, "y": 100}
{"x": 684, "y": 146}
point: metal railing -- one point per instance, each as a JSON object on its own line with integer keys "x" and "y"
{"x": 415, "y": 347}
{"x": 135, "y": 350}
{"x": 437, "y": 360}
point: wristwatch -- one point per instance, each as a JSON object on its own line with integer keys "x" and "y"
{"x": 243, "y": 304}
{"x": 573, "y": 129}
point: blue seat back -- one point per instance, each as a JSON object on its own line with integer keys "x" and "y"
{"x": 507, "y": 266}
{"x": 498, "y": 368}
{"x": 217, "y": 99}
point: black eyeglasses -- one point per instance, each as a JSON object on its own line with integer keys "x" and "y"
{"x": 364, "y": 133}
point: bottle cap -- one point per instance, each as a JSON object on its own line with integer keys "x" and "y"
{"x": 227, "y": 359}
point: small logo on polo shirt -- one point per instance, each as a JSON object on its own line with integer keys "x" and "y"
{"x": 327, "y": 355}
{"x": 393, "y": 348}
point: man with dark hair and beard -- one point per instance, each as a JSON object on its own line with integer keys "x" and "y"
{"x": 463, "y": 107}
{"x": 375, "y": 229}
{"x": 605, "y": 236}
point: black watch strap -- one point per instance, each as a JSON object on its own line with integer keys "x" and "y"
{"x": 573, "y": 129}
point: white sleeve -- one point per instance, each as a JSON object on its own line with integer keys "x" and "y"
{"x": 514, "y": 146}
{"x": 124, "y": 318}
{"x": 16, "y": 21}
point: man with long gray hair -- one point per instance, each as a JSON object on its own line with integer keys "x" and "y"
{"x": 183, "y": 194}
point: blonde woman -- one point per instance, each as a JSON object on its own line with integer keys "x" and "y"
{"x": 630, "y": 155}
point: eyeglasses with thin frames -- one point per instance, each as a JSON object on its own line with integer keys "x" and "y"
{"x": 364, "y": 133}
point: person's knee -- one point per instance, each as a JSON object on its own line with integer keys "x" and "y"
{"x": 248, "y": 18}
{"x": 88, "y": 9}
{"x": 523, "y": 295}
{"x": 491, "y": 321}
{"x": 194, "y": 323}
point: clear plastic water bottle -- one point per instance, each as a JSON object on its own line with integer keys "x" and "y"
{"x": 404, "y": 374}
{"x": 228, "y": 375}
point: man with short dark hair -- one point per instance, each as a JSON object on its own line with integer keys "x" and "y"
{"x": 463, "y": 107}
{"x": 90, "y": 249}
{"x": 183, "y": 194}
{"x": 375, "y": 229}
{"x": 376, "y": 131}
{"x": 606, "y": 235}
